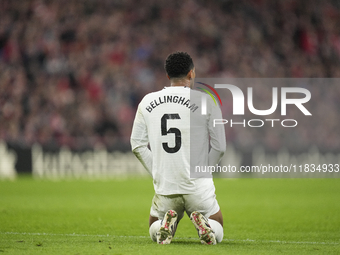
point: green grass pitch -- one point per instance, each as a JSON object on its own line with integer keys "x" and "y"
{"x": 262, "y": 216}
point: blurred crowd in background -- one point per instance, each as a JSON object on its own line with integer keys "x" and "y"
{"x": 73, "y": 72}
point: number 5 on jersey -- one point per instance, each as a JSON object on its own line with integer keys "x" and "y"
{"x": 176, "y": 131}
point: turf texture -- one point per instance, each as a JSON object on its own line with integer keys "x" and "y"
{"x": 262, "y": 216}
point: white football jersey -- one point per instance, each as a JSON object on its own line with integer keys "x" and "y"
{"x": 170, "y": 121}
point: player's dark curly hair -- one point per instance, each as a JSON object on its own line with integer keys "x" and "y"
{"x": 178, "y": 64}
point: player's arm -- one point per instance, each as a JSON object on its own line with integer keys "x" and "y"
{"x": 139, "y": 141}
{"x": 217, "y": 136}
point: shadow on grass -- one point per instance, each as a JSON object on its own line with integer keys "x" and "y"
{"x": 196, "y": 241}
{"x": 181, "y": 242}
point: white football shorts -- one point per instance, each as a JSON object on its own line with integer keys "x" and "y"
{"x": 204, "y": 202}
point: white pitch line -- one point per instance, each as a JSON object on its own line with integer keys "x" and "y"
{"x": 74, "y": 234}
{"x": 279, "y": 241}
{"x": 181, "y": 238}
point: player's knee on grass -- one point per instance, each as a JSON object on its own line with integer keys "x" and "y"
{"x": 218, "y": 229}
{"x": 154, "y": 228}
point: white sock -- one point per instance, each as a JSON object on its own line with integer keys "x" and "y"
{"x": 154, "y": 229}
{"x": 218, "y": 229}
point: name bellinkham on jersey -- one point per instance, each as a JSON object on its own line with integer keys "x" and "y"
{"x": 171, "y": 99}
